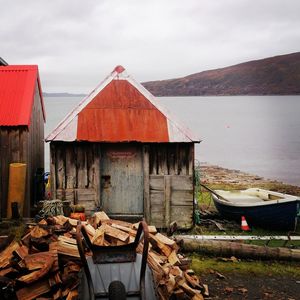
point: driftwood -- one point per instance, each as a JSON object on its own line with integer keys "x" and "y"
{"x": 222, "y": 248}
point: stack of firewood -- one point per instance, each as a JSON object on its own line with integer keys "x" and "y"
{"x": 45, "y": 263}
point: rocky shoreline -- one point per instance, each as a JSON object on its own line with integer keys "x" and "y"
{"x": 217, "y": 176}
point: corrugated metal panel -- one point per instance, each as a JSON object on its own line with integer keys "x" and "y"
{"x": 17, "y": 85}
{"x": 120, "y": 125}
{"x": 121, "y": 113}
{"x": 121, "y": 109}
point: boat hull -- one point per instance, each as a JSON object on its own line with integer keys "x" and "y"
{"x": 279, "y": 216}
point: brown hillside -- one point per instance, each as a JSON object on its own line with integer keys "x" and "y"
{"x": 278, "y": 75}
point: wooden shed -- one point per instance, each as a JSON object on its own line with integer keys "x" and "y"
{"x": 22, "y": 118}
{"x": 120, "y": 151}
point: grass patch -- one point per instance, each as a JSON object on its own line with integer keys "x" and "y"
{"x": 202, "y": 265}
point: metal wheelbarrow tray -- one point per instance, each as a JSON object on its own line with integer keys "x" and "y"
{"x": 115, "y": 272}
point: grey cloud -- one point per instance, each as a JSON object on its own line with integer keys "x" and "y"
{"x": 76, "y": 43}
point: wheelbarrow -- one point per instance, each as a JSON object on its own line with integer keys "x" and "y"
{"x": 115, "y": 272}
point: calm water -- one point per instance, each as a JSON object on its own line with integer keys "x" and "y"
{"x": 257, "y": 134}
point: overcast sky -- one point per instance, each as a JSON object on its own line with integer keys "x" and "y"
{"x": 76, "y": 43}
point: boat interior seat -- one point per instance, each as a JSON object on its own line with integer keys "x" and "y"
{"x": 264, "y": 195}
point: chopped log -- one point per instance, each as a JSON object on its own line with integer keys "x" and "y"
{"x": 60, "y": 220}
{"x": 194, "y": 294}
{"x": 192, "y": 280}
{"x": 73, "y": 222}
{"x": 166, "y": 250}
{"x": 151, "y": 228}
{"x": 170, "y": 284}
{"x": 7, "y": 254}
{"x": 98, "y": 238}
{"x": 100, "y": 216}
{"x": 41, "y": 262}
{"x": 38, "y": 232}
{"x": 34, "y": 290}
{"x": 7, "y": 271}
{"x": 68, "y": 240}
{"x": 43, "y": 222}
{"x": 173, "y": 258}
{"x": 67, "y": 249}
{"x": 57, "y": 295}
{"x": 72, "y": 295}
{"x": 165, "y": 240}
{"x": 5, "y": 241}
{"x": 116, "y": 233}
{"x": 90, "y": 230}
{"x": 176, "y": 271}
{"x": 21, "y": 252}
{"x": 26, "y": 239}
{"x": 206, "y": 291}
{"x": 124, "y": 228}
{"x": 179, "y": 294}
{"x": 229, "y": 249}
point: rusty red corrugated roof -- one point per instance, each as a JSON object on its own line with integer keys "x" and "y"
{"x": 17, "y": 86}
{"x": 120, "y": 110}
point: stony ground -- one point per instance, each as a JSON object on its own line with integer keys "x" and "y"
{"x": 242, "y": 286}
{"x": 217, "y": 176}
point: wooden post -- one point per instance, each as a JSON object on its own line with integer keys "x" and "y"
{"x": 97, "y": 163}
{"x": 167, "y": 193}
{"x": 52, "y": 171}
{"x": 146, "y": 168}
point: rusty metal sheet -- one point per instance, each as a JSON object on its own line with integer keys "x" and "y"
{"x": 121, "y": 113}
{"x": 17, "y": 86}
{"x": 120, "y": 109}
{"x": 122, "y": 125}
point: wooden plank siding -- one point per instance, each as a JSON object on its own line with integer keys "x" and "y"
{"x": 167, "y": 168}
{"x": 171, "y": 188}
{"x": 75, "y": 169}
{"x": 26, "y": 145}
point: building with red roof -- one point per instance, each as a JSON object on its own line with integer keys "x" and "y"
{"x": 22, "y": 117}
{"x": 119, "y": 150}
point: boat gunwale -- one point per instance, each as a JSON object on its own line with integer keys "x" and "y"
{"x": 286, "y": 198}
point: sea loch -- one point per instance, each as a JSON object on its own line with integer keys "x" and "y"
{"x": 256, "y": 134}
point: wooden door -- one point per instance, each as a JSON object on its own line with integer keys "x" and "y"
{"x": 122, "y": 179}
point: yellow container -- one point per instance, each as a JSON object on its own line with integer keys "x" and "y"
{"x": 16, "y": 187}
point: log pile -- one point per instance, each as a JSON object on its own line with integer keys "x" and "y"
{"x": 45, "y": 263}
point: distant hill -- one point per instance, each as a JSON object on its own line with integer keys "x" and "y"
{"x": 62, "y": 95}
{"x": 278, "y": 75}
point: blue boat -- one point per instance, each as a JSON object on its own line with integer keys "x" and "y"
{"x": 261, "y": 208}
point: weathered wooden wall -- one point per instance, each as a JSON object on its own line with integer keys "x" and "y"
{"x": 167, "y": 179}
{"x": 75, "y": 173}
{"x": 171, "y": 188}
{"x": 26, "y": 145}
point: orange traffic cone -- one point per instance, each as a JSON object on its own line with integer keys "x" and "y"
{"x": 244, "y": 225}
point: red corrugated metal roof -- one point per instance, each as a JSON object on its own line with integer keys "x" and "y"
{"x": 121, "y": 113}
{"x": 17, "y": 86}
{"x": 120, "y": 109}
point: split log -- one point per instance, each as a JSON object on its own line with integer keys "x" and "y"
{"x": 33, "y": 291}
{"x": 228, "y": 249}
{"x": 38, "y": 232}
{"x": 165, "y": 249}
{"x": 7, "y": 254}
{"x": 67, "y": 249}
{"x": 21, "y": 252}
{"x": 173, "y": 258}
{"x": 5, "y": 241}
{"x": 41, "y": 262}
{"x": 100, "y": 216}
{"x": 116, "y": 233}
{"x": 98, "y": 238}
